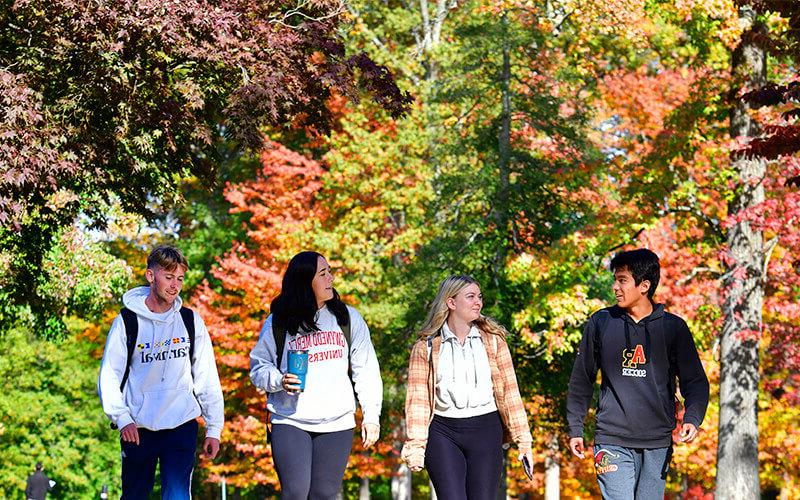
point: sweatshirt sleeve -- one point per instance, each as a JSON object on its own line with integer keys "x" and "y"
{"x": 112, "y": 369}
{"x": 365, "y": 370}
{"x": 263, "y": 372}
{"x": 581, "y": 382}
{"x": 207, "y": 388}
{"x": 691, "y": 376}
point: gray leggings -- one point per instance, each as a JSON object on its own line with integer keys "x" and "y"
{"x": 310, "y": 465}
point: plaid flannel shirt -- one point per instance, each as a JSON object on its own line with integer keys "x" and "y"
{"x": 421, "y": 390}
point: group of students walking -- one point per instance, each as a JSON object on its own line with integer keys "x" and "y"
{"x": 462, "y": 406}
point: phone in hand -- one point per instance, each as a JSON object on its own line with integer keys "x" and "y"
{"x": 526, "y": 465}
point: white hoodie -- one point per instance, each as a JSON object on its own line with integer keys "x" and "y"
{"x": 327, "y": 404}
{"x": 164, "y": 389}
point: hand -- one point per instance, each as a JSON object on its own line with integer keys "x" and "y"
{"x": 369, "y": 434}
{"x": 291, "y": 384}
{"x": 688, "y": 433}
{"x": 416, "y": 463}
{"x": 211, "y": 447}
{"x": 576, "y": 447}
{"x": 130, "y": 433}
{"x": 526, "y": 453}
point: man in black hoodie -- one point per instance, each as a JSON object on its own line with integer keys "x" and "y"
{"x": 38, "y": 484}
{"x": 641, "y": 351}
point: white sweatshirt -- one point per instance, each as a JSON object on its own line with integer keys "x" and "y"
{"x": 164, "y": 389}
{"x": 327, "y": 404}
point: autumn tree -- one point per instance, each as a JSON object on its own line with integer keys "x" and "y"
{"x": 277, "y": 205}
{"x": 108, "y": 101}
{"x": 737, "y": 462}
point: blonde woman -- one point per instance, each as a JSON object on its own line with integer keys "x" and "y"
{"x": 462, "y": 400}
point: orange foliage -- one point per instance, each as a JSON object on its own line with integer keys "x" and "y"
{"x": 278, "y": 199}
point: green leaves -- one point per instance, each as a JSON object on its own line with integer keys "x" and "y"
{"x": 49, "y": 412}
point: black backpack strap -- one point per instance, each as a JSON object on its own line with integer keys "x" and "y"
{"x": 600, "y": 321}
{"x": 187, "y": 315}
{"x": 348, "y": 337}
{"x": 131, "y": 334}
{"x": 279, "y": 334}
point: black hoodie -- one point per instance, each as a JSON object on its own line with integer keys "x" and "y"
{"x": 639, "y": 363}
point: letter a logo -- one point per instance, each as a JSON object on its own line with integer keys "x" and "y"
{"x": 638, "y": 356}
{"x": 631, "y": 359}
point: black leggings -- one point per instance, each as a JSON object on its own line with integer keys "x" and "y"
{"x": 464, "y": 456}
{"x": 310, "y": 465}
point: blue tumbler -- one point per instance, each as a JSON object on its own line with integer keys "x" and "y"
{"x": 298, "y": 365}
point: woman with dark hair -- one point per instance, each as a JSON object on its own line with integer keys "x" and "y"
{"x": 312, "y": 429}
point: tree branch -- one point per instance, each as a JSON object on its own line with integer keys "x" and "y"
{"x": 620, "y": 245}
{"x": 281, "y": 18}
{"x": 695, "y": 272}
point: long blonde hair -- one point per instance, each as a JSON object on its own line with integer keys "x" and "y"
{"x": 439, "y": 311}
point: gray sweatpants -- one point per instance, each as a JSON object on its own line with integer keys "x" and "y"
{"x": 310, "y": 465}
{"x": 631, "y": 473}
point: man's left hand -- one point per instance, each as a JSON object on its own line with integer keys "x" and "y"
{"x": 211, "y": 447}
{"x": 688, "y": 433}
{"x": 369, "y": 434}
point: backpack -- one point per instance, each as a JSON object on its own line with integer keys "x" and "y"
{"x": 671, "y": 356}
{"x": 279, "y": 333}
{"x": 600, "y": 326}
{"x": 132, "y": 333}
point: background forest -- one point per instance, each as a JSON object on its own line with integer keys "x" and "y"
{"x": 520, "y": 141}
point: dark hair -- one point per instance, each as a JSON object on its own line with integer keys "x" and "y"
{"x": 642, "y": 264}
{"x": 38, "y": 465}
{"x": 295, "y": 307}
{"x": 166, "y": 257}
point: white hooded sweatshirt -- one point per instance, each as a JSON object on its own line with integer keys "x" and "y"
{"x": 327, "y": 404}
{"x": 164, "y": 389}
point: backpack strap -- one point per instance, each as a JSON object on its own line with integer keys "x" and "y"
{"x": 187, "y": 315}
{"x": 348, "y": 337}
{"x": 131, "y": 334}
{"x": 599, "y": 327}
{"x": 279, "y": 334}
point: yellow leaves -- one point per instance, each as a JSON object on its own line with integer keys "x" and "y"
{"x": 723, "y": 11}
{"x": 61, "y": 199}
{"x": 622, "y": 18}
{"x": 554, "y": 317}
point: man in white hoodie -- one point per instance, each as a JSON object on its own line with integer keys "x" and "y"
{"x": 154, "y": 389}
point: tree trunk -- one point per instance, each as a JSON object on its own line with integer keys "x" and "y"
{"x": 363, "y": 489}
{"x": 737, "y": 455}
{"x": 552, "y": 471}
{"x": 401, "y": 483}
{"x": 504, "y": 135}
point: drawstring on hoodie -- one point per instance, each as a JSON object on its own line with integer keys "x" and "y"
{"x": 628, "y": 343}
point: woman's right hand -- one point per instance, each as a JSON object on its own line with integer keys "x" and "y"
{"x": 291, "y": 384}
{"x": 415, "y": 462}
